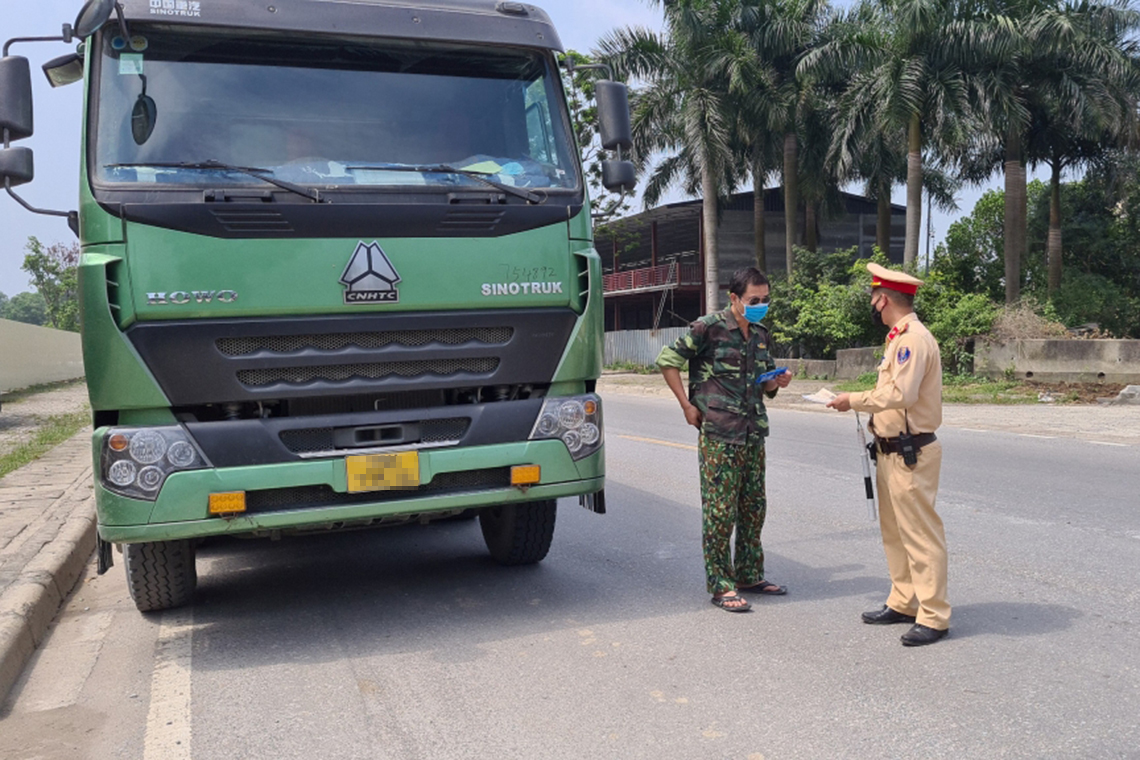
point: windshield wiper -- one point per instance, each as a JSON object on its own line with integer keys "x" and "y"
{"x": 253, "y": 171}
{"x": 483, "y": 177}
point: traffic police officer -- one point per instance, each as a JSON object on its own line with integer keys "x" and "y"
{"x": 906, "y": 408}
{"x": 726, "y": 352}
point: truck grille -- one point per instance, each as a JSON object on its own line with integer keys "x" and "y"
{"x": 308, "y": 441}
{"x": 308, "y": 497}
{"x": 287, "y": 344}
{"x": 432, "y": 433}
{"x": 211, "y": 361}
{"x": 255, "y": 378}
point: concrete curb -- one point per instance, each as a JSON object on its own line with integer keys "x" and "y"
{"x": 31, "y": 602}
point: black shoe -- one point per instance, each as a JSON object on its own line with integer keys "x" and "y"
{"x": 886, "y": 616}
{"x": 921, "y": 635}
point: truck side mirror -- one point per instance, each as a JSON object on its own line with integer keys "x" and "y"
{"x": 15, "y": 98}
{"x": 64, "y": 70}
{"x": 92, "y": 16}
{"x": 613, "y": 115}
{"x": 619, "y": 176}
{"x": 16, "y": 166}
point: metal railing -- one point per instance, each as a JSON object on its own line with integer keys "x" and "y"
{"x": 660, "y": 277}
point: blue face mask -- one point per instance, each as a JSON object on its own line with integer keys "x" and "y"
{"x": 755, "y": 314}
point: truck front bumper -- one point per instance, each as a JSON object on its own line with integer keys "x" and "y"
{"x": 313, "y": 495}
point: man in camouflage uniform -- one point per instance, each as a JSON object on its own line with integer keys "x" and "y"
{"x": 726, "y": 352}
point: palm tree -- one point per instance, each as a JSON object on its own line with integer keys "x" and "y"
{"x": 684, "y": 110}
{"x": 757, "y": 150}
{"x": 879, "y": 161}
{"x": 781, "y": 33}
{"x": 1054, "y": 83}
{"x": 1086, "y": 94}
{"x": 905, "y": 77}
{"x": 820, "y": 181}
{"x": 999, "y": 95}
{"x": 757, "y": 143}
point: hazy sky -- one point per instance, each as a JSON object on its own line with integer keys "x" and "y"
{"x": 56, "y": 141}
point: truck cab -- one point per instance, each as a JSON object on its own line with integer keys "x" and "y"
{"x": 337, "y": 272}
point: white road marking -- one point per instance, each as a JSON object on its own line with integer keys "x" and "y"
{"x": 1108, "y": 443}
{"x": 974, "y": 430}
{"x": 1043, "y": 437}
{"x": 168, "y": 722}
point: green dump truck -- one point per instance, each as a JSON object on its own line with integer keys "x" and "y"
{"x": 337, "y": 271}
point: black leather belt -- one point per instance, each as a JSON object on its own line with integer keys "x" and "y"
{"x": 891, "y": 445}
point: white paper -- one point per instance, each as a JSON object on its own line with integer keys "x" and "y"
{"x": 822, "y": 396}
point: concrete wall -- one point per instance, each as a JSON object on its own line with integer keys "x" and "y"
{"x": 852, "y": 362}
{"x": 1109, "y": 361}
{"x": 31, "y": 355}
{"x": 821, "y": 368}
{"x": 642, "y": 346}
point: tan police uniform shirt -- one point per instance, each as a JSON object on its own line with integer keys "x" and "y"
{"x": 910, "y": 378}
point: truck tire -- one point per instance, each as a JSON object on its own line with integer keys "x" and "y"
{"x": 160, "y": 575}
{"x": 519, "y": 534}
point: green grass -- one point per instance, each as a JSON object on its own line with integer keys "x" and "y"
{"x": 54, "y": 431}
{"x": 978, "y": 390}
{"x": 958, "y": 389}
{"x": 23, "y": 393}
{"x": 864, "y": 382}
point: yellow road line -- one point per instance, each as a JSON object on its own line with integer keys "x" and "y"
{"x": 658, "y": 442}
{"x": 168, "y": 734}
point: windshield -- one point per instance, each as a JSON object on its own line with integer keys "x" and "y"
{"x": 327, "y": 112}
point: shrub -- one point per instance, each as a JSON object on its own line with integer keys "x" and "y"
{"x": 824, "y": 307}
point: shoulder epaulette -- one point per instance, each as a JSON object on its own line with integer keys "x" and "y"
{"x": 897, "y": 331}
{"x": 709, "y": 320}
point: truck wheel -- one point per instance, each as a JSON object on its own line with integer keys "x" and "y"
{"x": 519, "y": 534}
{"x": 160, "y": 575}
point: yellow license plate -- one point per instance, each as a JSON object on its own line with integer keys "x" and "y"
{"x": 383, "y": 472}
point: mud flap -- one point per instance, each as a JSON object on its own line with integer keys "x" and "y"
{"x": 103, "y": 551}
{"x": 595, "y": 502}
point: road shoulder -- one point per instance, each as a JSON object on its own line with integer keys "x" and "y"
{"x": 1118, "y": 425}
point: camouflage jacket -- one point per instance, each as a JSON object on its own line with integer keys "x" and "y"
{"x": 723, "y": 368}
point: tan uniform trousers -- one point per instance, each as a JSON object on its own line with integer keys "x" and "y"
{"x": 913, "y": 536}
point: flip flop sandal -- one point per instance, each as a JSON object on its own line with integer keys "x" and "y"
{"x": 722, "y": 602}
{"x": 764, "y": 587}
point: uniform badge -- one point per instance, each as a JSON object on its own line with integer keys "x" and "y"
{"x": 903, "y": 355}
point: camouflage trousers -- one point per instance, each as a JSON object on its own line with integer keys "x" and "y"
{"x": 732, "y": 496}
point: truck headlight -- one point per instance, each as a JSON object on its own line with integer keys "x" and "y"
{"x": 136, "y": 461}
{"x": 575, "y": 420}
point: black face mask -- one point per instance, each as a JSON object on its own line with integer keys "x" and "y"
{"x": 877, "y": 317}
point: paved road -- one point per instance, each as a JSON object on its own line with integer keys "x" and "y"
{"x": 411, "y": 643}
